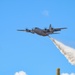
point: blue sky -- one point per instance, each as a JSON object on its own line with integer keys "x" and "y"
{"x": 34, "y": 54}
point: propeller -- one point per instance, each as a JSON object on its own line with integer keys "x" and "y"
{"x": 26, "y": 29}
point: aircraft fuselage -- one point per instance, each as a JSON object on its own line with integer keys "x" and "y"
{"x": 40, "y": 32}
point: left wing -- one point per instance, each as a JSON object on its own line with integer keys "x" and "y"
{"x": 26, "y": 30}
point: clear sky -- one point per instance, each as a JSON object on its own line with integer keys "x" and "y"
{"x": 34, "y": 54}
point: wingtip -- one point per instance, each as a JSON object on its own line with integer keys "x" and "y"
{"x": 65, "y": 27}
{"x": 20, "y": 30}
{"x": 17, "y": 30}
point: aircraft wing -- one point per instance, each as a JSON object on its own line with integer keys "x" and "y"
{"x": 59, "y": 29}
{"x": 26, "y": 30}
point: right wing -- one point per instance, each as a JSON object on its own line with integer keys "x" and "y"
{"x": 59, "y": 29}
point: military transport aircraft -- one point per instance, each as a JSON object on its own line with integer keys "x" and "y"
{"x": 43, "y": 32}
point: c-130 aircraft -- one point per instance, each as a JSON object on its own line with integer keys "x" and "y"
{"x": 44, "y": 32}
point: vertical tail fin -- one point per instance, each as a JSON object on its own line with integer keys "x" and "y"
{"x": 50, "y": 26}
{"x": 51, "y": 29}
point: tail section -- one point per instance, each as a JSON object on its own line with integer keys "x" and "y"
{"x": 50, "y": 28}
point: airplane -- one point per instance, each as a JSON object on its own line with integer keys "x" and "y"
{"x": 43, "y": 32}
